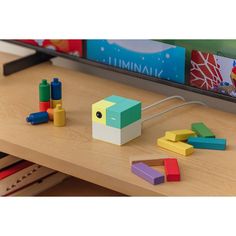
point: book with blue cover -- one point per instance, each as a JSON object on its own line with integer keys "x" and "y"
{"x": 148, "y": 57}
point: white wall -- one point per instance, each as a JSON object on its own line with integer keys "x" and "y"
{"x": 155, "y": 87}
{"x": 14, "y": 49}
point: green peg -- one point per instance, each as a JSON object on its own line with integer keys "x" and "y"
{"x": 44, "y": 91}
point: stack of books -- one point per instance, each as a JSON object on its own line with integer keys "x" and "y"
{"x": 23, "y": 178}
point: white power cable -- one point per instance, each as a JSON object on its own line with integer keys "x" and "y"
{"x": 161, "y": 101}
{"x": 171, "y": 109}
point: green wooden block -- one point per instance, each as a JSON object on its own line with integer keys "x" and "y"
{"x": 202, "y": 130}
{"x": 44, "y": 91}
{"x": 123, "y": 113}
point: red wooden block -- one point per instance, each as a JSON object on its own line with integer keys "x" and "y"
{"x": 43, "y": 106}
{"x": 172, "y": 169}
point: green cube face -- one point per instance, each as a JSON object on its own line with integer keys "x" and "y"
{"x": 124, "y": 112}
{"x": 202, "y": 130}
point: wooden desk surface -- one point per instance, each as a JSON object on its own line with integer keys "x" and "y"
{"x": 72, "y": 150}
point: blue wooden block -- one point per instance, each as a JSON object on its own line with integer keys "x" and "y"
{"x": 207, "y": 143}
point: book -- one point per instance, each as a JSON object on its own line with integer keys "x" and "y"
{"x": 213, "y": 73}
{"x": 8, "y": 160}
{"x": 41, "y": 185}
{"x": 3, "y": 154}
{"x": 20, "y": 175}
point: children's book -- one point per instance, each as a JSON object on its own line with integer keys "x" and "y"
{"x": 20, "y": 175}
{"x": 8, "y": 160}
{"x": 148, "y": 57}
{"x": 214, "y": 73}
{"x": 40, "y": 185}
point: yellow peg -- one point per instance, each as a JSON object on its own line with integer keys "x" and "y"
{"x": 55, "y": 102}
{"x": 59, "y": 116}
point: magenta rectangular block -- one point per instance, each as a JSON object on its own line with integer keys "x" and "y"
{"x": 147, "y": 173}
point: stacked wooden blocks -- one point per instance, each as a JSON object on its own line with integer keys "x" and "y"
{"x": 184, "y": 141}
{"x": 116, "y": 119}
{"x": 206, "y": 139}
{"x": 173, "y": 141}
{"x": 142, "y": 167}
{"x": 50, "y": 104}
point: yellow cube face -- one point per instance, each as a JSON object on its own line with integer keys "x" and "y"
{"x": 99, "y": 111}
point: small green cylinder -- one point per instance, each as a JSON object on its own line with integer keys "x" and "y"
{"x": 44, "y": 91}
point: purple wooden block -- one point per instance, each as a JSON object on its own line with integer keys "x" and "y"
{"x": 149, "y": 174}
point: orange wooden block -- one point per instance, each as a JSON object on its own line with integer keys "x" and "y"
{"x": 148, "y": 159}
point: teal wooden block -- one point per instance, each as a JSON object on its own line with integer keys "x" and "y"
{"x": 115, "y": 99}
{"x": 123, "y": 113}
{"x": 207, "y": 143}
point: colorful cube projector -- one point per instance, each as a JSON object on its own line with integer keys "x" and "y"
{"x": 116, "y": 119}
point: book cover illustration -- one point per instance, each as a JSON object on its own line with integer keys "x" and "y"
{"x": 152, "y": 58}
{"x": 21, "y": 174}
{"x": 214, "y": 73}
{"x": 71, "y": 47}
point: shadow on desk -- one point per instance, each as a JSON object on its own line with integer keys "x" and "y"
{"x": 76, "y": 187}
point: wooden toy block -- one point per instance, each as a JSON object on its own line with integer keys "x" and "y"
{"x": 116, "y": 119}
{"x": 178, "y": 147}
{"x": 202, "y": 130}
{"x": 59, "y": 116}
{"x": 50, "y": 112}
{"x": 179, "y": 135}
{"x": 114, "y": 99}
{"x": 99, "y": 110}
{"x": 55, "y": 102}
{"x": 44, "y": 91}
{"x": 43, "y": 106}
{"x": 115, "y": 135}
{"x": 123, "y": 113}
{"x": 37, "y": 118}
{"x": 56, "y": 89}
{"x": 147, "y": 173}
{"x": 208, "y": 143}
{"x": 172, "y": 169}
{"x": 148, "y": 159}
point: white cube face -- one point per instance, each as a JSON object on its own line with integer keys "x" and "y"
{"x": 115, "y": 135}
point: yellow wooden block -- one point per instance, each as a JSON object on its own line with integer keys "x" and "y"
{"x": 99, "y": 111}
{"x": 179, "y": 135}
{"x": 178, "y": 147}
{"x": 149, "y": 159}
